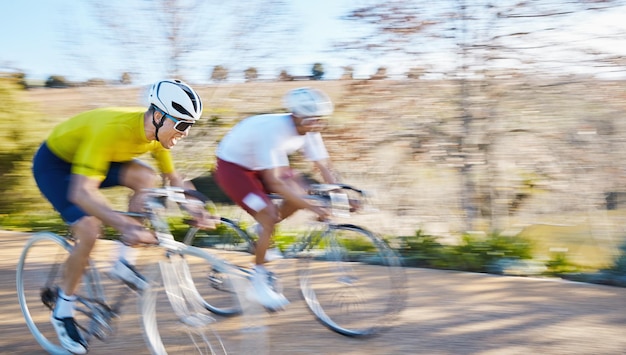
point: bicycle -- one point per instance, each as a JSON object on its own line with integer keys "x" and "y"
{"x": 350, "y": 279}
{"x": 173, "y": 297}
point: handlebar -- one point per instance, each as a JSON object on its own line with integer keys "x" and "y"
{"x": 331, "y": 196}
{"x": 175, "y": 194}
{"x": 325, "y": 189}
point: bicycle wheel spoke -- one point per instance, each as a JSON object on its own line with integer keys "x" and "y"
{"x": 173, "y": 312}
{"x": 351, "y": 281}
{"x": 227, "y": 236}
{"x": 216, "y": 288}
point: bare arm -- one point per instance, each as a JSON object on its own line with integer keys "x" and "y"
{"x": 325, "y": 170}
{"x": 175, "y": 179}
{"x": 84, "y": 192}
{"x": 289, "y": 190}
{"x": 202, "y": 218}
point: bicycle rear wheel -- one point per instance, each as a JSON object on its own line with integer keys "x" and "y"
{"x": 229, "y": 243}
{"x": 351, "y": 280}
{"x": 39, "y": 274}
{"x": 173, "y": 311}
{"x": 226, "y": 237}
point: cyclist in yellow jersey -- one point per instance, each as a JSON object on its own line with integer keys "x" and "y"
{"x": 97, "y": 149}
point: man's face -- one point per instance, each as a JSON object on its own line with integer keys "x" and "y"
{"x": 173, "y": 130}
{"x": 311, "y": 124}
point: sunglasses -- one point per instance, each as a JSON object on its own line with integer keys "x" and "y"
{"x": 179, "y": 126}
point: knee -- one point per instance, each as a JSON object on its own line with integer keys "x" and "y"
{"x": 139, "y": 176}
{"x": 268, "y": 216}
{"x": 87, "y": 230}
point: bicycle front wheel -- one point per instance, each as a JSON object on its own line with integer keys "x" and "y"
{"x": 39, "y": 274}
{"x": 173, "y": 311}
{"x": 351, "y": 280}
{"x": 229, "y": 243}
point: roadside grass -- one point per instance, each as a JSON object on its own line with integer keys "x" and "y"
{"x": 523, "y": 254}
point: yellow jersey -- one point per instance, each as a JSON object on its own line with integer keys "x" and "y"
{"x": 92, "y": 140}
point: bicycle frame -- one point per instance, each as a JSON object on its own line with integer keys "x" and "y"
{"x": 96, "y": 310}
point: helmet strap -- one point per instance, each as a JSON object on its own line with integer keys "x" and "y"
{"x": 157, "y": 126}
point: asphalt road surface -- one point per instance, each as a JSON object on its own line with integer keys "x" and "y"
{"x": 446, "y": 313}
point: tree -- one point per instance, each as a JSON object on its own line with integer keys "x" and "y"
{"x": 220, "y": 73}
{"x": 17, "y": 147}
{"x": 285, "y": 76}
{"x": 168, "y": 28}
{"x": 176, "y": 31}
{"x": 251, "y": 74}
{"x": 126, "y": 78}
{"x": 317, "y": 71}
{"x": 381, "y": 73}
{"x": 56, "y": 81}
{"x": 480, "y": 37}
{"x": 348, "y": 73}
{"x": 415, "y": 73}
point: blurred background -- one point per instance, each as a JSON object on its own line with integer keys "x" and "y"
{"x": 461, "y": 117}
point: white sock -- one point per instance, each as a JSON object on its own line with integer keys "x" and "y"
{"x": 260, "y": 268}
{"x": 127, "y": 253}
{"x": 65, "y": 305}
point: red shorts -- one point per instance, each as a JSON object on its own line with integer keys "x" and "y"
{"x": 241, "y": 185}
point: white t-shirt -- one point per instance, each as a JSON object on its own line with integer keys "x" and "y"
{"x": 266, "y": 141}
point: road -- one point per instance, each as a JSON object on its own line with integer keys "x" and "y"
{"x": 447, "y": 313}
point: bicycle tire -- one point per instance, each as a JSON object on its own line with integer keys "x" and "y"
{"x": 228, "y": 236}
{"x": 230, "y": 243}
{"x": 39, "y": 272}
{"x": 351, "y": 280}
{"x": 173, "y": 311}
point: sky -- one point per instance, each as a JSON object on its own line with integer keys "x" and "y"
{"x": 40, "y": 36}
{"x": 62, "y": 37}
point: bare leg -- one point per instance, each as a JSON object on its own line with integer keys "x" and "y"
{"x": 137, "y": 176}
{"x": 86, "y": 230}
{"x": 267, "y": 218}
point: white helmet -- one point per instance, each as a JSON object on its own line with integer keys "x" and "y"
{"x": 308, "y": 102}
{"x": 177, "y": 99}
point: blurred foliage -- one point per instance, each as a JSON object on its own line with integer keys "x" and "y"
{"x": 415, "y": 73}
{"x": 57, "y": 81}
{"x": 17, "y": 147}
{"x": 560, "y": 264}
{"x": 220, "y": 73}
{"x": 317, "y": 71}
{"x": 34, "y": 221}
{"x": 284, "y": 76}
{"x": 474, "y": 253}
{"x": 619, "y": 267}
{"x": 381, "y": 73}
{"x": 126, "y": 78}
{"x": 420, "y": 250}
{"x": 348, "y": 73}
{"x": 95, "y": 82}
{"x": 251, "y": 74}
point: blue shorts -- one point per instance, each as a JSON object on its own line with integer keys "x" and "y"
{"x": 53, "y": 174}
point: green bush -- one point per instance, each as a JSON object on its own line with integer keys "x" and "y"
{"x": 17, "y": 146}
{"x": 477, "y": 254}
{"x": 420, "y": 250}
{"x": 559, "y": 264}
{"x": 474, "y": 253}
{"x": 57, "y": 81}
{"x": 317, "y": 71}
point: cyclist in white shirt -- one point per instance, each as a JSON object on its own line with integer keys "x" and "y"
{"x": 253, "y": 160}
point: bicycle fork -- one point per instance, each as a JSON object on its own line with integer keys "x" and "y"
{"x": 182, "y": 293}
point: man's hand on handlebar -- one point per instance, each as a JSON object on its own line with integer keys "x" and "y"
{"x": 322, "y": 213}
{"x": 134, "y": 233}
{"x": 201, "y": 218}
